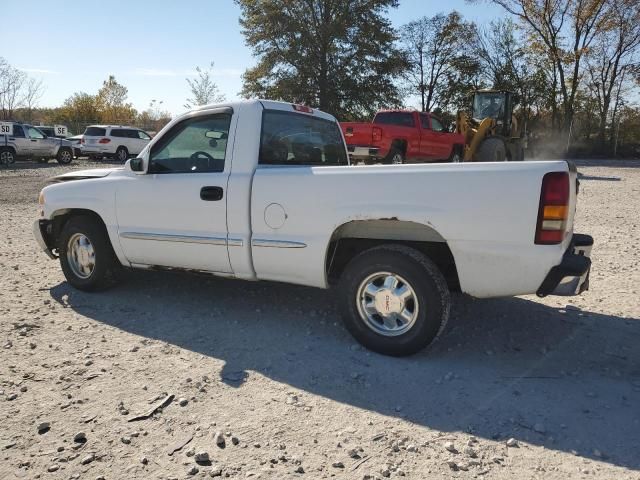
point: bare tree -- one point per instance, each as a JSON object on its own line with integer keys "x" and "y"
{"x": 434, "y": 47}
{"x": 566, "y": 28}
{"x": 615, "y": 52}
{"x": 33, "y": 91}
{"x": 203, "y": 89}
{"x": 11, "y": 83}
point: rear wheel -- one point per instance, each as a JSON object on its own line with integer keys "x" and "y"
{"x": 7, "y": 156}
{"x": 492, "y": 150}
{"x": 456, "y": 155}
{"x": 86, "y": 256}
{"x": 122, "y": 154}
{"x": 65, "y": 156}
{"x": 395, "y": 157}
{"x": 394, "y": 300}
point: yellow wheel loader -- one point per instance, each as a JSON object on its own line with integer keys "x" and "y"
{"x": 492, "y": 132}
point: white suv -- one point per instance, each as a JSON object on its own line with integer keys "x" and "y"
{"x": 113, "y": 141}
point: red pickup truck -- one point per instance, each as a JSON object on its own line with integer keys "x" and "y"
{"x": 400, "y": 136}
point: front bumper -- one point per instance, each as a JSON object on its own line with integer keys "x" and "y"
{"x": 571, "y": 277}
{"x": 39, "y": 231}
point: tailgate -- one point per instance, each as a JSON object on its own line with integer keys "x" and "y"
{"x": 357, "y": 133}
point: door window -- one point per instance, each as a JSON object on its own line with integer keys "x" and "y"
{"x": 18, "y": 131}
{"x": 34, "y": 133}
{"x": 401, "y": 119}
{"x": 289, "y": 138}
{"x": 424, "y": 121}
{"x": 436, "y": 125}
{"x": 142, "y": 135}
{"x": 193, "y": 146}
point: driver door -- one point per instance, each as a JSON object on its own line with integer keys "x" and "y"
{"x": 175, "y": 215}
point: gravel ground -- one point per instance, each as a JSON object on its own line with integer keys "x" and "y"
{"x": 516, "y": 387}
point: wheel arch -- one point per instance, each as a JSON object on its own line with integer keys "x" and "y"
{"x": 355, "y": 236}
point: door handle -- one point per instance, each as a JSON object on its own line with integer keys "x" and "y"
{"x": 211, "y": 194}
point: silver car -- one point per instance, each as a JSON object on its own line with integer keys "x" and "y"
{"x": 28, "y": 141}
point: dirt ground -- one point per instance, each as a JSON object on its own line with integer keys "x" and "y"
{"x": 517, "y": 388}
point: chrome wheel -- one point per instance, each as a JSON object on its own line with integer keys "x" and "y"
{"x": 387, "y": 304}
{"x": 81, "y": 255}
{"x": 397, "y": 159}
{"x": 456, "y": 158}
{"x": 6, "y": 157}
{"x": 65, "y": 156}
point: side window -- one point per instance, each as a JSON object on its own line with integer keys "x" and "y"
{"x": 195, "y": 145}
{"x": 401, "y": 119}
{"x": 132, "y": 134}
{"x": 424, "y": 121}
{"x": 436, "y": 125}
{"x": 142, "y": 135}
{"x": 34, "y": 133}
{"x": 18, "y": 131}
{"x": 115, "y": 132}
{"x": 289, "y": 138}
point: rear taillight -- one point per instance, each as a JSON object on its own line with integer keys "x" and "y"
{"x": 104, "y": 140}
{"x": 376, "y": 134}
{"x": 82, "y": 140}
{"x": 554, "y": 209}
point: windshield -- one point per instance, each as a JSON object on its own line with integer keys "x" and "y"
{"x": 488, "y": 105}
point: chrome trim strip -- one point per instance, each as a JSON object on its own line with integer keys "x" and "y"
{"x": 261, "y": 242}
{"x": 235, "y": 242}
{"x": 160, "y": 237}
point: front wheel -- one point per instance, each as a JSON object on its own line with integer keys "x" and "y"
{"x": 7, "y": 157}
{"x": 65, "y": 156}
{"x": 394, "y": 300}
{"x": 86, "y": 256}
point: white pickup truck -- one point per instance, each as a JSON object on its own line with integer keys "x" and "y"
{"x": 262, "y": 190}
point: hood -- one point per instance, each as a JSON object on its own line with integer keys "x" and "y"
{"x": 84, "y": 174}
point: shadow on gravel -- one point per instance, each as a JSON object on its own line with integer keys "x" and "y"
{"x": 565, "y": 379}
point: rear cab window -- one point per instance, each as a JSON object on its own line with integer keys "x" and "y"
{"x": 289, "y": 138}
{"x": 400, "y": 119}
{"x": 95, "y": 132}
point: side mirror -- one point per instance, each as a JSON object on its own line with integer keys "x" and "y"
{"x": 139, "y": 164}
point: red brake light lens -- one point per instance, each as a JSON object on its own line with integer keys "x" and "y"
{"x": 554, "y": 209}
{"x": 376, "y": 134}
{"x": 104, "y": 140}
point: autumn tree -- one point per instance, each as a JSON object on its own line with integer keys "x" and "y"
{"x": 566, "y": 29}
{"x": 12, "y": 81}
{"x": 204, "y": 90}
{"x": 438, "y": 54}
{"x": 112, "y": 102}
{"x": 33, "y": 91}
{"x": 336, "y": 55}
{"x": 613, "y": 55}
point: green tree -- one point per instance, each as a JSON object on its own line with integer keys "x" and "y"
{"x": 112, "y": 102}
{"x": 337, "y": 55}
{"x": 203, "y": 89}
{"x": 437, "y": 50}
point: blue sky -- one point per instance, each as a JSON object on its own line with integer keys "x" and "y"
{"x": 151, "y": 46}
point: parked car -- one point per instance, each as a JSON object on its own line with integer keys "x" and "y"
{"x": 50, "y": 131}
{"x": 113, "y": 141}
{"x": 400, "y": 136}
{"x": 263, "y": 190}
{"x": 28, "y": 141}
{"x": 76, "y": 142}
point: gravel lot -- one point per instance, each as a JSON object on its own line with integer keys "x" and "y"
{"x": 516, "y": 388}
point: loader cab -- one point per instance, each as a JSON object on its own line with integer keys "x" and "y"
{"x": 495, "y": 104}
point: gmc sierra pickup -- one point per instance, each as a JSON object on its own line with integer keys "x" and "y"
{"x": 262, "y": 190}
{"x": 398, "y": 136}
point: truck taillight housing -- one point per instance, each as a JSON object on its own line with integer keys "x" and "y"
{"x": 376, "y": 134}
{"x": 554, "y": 209}
{"x": 104, "y": 140}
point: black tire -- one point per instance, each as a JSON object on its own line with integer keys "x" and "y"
{"x": 421, "y": 274}
{"x": 492, "y": 150}
{"x": 456, "y": 154}
{"x": 7, "y": 156}
{"x": 64, "y": 156}
{"x": 122, "y": 154}
{"x": 395, "y": 157}
{"x": 106, "y": 265}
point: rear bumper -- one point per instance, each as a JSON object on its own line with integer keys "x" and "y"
{"x": 39, "y": 231}
{"x": 571, "y": 277}
{"x": 364, "y": 152}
